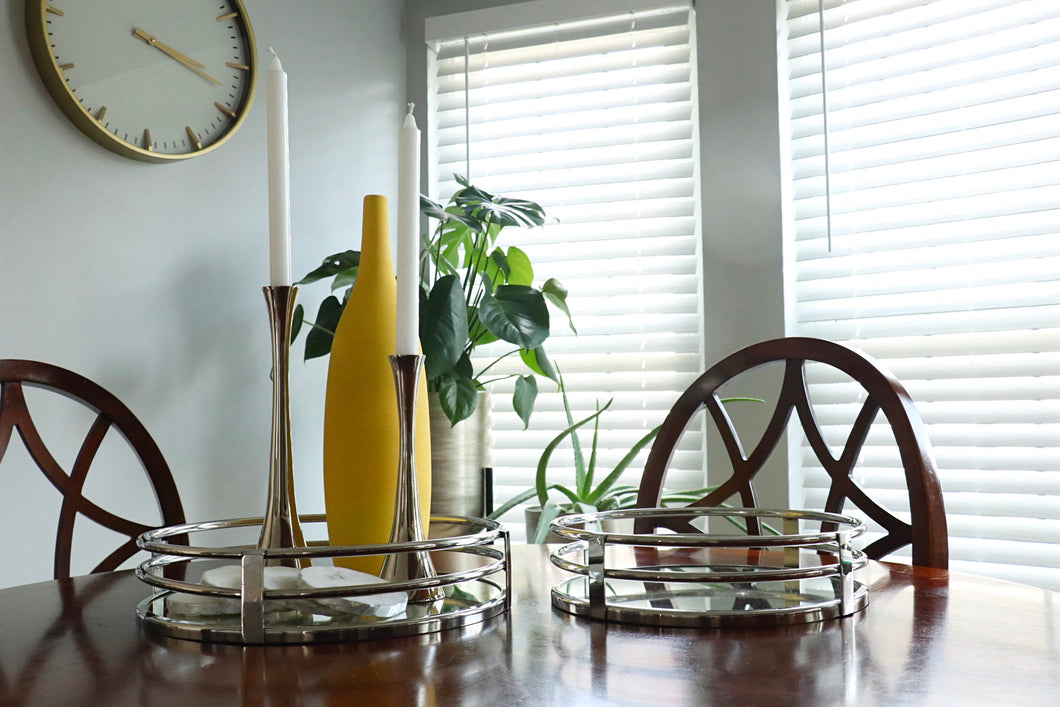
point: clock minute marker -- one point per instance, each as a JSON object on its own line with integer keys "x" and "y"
{"x": 226, "y": 110}
{"x": 193, "y": 137}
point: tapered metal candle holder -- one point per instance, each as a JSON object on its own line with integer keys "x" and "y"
{"x": 280, "y": 528}
{"x": 407, "y": 525}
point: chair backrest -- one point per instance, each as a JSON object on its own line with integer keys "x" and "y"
{"x": 883, "y": 393}
{"x": 110, "y": 412}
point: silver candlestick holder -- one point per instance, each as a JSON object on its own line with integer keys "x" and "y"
{"x": 407, "y": 527}
{"x": 280, "y": 528}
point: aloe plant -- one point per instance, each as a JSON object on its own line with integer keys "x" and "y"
{"x": 587, "y": 495}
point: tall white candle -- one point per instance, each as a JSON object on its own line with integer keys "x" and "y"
{"x": 279, "y": 175}
{"x": 408, "y": 238}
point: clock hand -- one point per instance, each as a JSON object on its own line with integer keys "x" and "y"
{"x": 186, "y": 61}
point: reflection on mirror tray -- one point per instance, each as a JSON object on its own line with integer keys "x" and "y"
{"x": 282, "y": 614}
{"x": 383, "y": 605}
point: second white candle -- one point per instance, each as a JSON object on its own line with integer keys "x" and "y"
{"x": 408, "y": 239}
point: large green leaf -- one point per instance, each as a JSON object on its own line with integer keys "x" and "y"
{"x": 524, "y": 398}
{"x": 502, "y": 211}
{"x": 333, "y": 265}
{"x": 517, "y": 314}
{"x": 538, "y": 362}
{"x": 443, "y": 326}
{"x": 521, "y": 271}
{"x": 497, "y": 267}
{"x": 346, "y": 278}
{"x": 463, "y": 368}
{"x": 458, "y": 398}
{"x": 432, "y": 209}
{"x": 475, "y": 329}
{"x": 556, "y": 293}
{"x": 318, "y": 340}
{"x": 515, "y": 212}
{"x": 449, "y": 247}
{"x": 296, "y": 322}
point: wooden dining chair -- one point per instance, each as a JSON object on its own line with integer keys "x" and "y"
{"x": 15, "y": 376}
{"x": 881, "y": 393}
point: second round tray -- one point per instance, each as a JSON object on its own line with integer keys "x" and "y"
{"x": 789, "y": 574}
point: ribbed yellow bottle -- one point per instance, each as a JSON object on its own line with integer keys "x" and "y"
{"x": 360, "y": 409}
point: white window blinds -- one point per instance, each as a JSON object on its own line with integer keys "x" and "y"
{"x": 593, "y": 119}
{"x": 943, "y": 134}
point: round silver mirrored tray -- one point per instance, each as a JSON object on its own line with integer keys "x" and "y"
{"x": 472, "y": 574}
{"x": 789, "y": 573}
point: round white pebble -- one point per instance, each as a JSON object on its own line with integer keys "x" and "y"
{"x": 385, "y": 604}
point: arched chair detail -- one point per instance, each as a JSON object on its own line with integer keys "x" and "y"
{"x": 926, "y": 530}
{"x": 110, "y": 413}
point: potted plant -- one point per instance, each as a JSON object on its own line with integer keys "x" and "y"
{"x": 473, "y": 292}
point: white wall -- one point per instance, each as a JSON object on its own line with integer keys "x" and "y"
{"x": 147, "y": 278}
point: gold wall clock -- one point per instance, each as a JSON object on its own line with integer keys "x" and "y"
{"x": 154, "y": 80}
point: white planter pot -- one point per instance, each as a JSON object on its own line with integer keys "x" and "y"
{"x": 532, "y": 515}
{"x": 460, "y": 454}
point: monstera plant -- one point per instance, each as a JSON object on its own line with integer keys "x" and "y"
{"x": 475, "y": 290}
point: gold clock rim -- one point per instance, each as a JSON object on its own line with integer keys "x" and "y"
{"x": 51, "y": 74}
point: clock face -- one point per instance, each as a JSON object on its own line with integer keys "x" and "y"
{"x": 156, "y": 80}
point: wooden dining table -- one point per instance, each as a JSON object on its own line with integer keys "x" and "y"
{"x": 926, "y": 637}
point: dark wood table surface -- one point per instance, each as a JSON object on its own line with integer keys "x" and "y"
{"x": 927, "y": 637}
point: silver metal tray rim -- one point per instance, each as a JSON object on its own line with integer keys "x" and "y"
{"x": 232, "y": 629}
{"x": 600, "y": 582}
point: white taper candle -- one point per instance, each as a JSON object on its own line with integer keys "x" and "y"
{"x": 279, "y": 175}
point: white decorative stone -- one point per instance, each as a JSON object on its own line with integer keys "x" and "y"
{"x": 384, "y": 605}
{"x": 231, "y": 577}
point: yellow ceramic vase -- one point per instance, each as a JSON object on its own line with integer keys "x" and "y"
{"x": 360, "y": 410}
